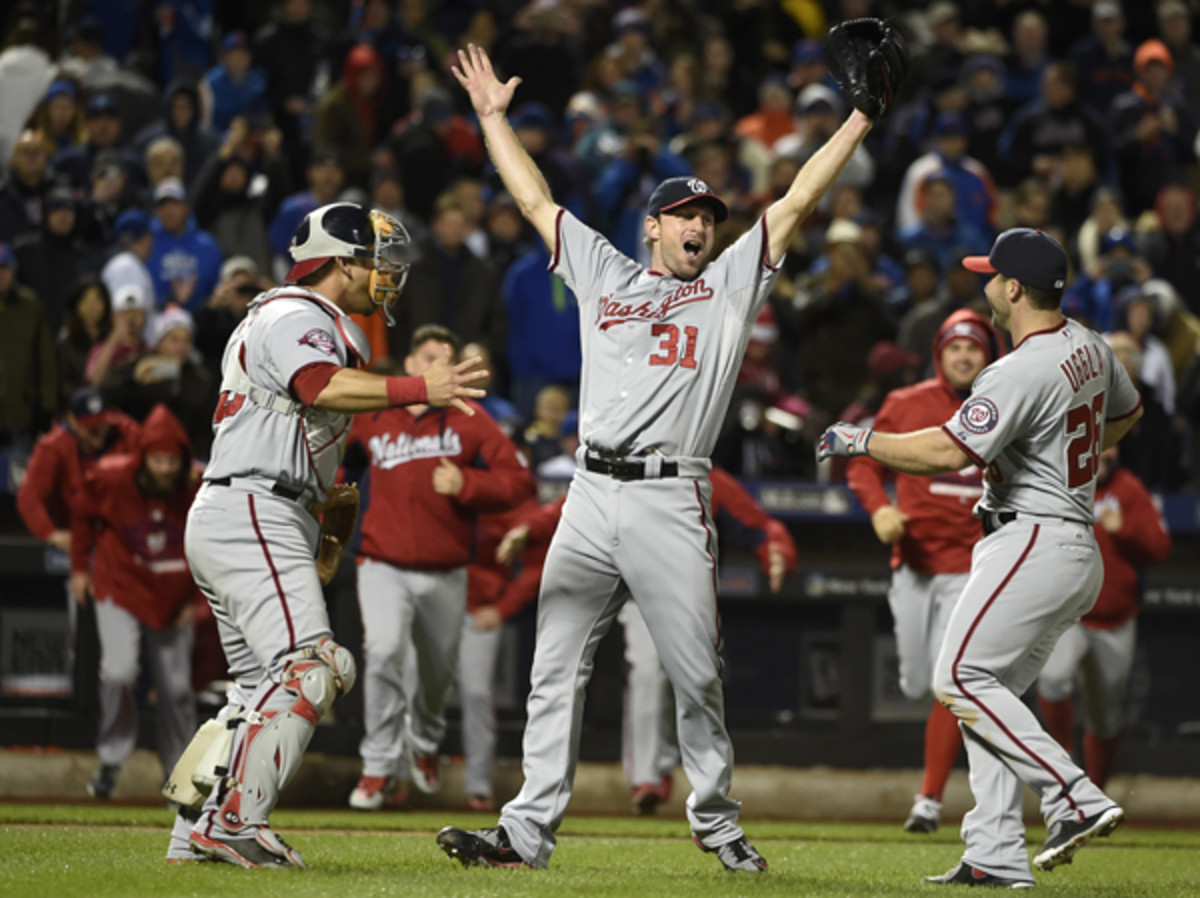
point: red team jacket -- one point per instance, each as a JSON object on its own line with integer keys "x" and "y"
{"x": 941, "y": 528}
{"x": 57, "y": 469}
{"x": 491, "y": 583}
{"x": 1141, "y": 541}
{"x": 404, "y": 521}
{"x": 137, "y": 537}
{"x": 741, "y": 519}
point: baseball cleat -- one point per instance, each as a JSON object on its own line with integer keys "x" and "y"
{"x": 479, "y": 847}
{"x": 1069, "y": 836}
{"x": 646, "y": 798}
{"x": 738, "y": 855}
{"x": 480, "y": 803}
{"x": 375, "y": 792}
{"x": 104, "y": 782}
{"x": 924, "y": 816}
{"x": 425, "y": 772}
{"x": 260, "y": 848}
{"x": 966, "y": 875}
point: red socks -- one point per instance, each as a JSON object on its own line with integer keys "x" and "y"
{"x": 942, "y": 743}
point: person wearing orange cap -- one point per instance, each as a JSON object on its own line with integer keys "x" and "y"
{"x": 931, "y": 531}
{"x": 1152, "y": 129}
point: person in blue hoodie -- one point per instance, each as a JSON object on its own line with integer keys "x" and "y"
{"x": 186, "y": 261}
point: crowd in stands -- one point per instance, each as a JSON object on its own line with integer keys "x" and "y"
{"x": 153, "y": 167}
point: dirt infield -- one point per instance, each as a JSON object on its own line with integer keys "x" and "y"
{"x": 798, "y": 793}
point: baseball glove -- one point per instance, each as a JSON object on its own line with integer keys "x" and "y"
{"x": 338, "y": 514}
{"x": 869, "y": 59}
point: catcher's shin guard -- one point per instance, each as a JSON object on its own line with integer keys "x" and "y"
{"x": 205, "y": 762}
{"x": 274, "y": 735}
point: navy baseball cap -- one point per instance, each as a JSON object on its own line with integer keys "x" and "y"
{"x": 675, "y": 192}
{"x": 1032, "y": 257}
{"x": 102, "y": 104}
{"x": 132, "y": 223}
{"x": 87, "y": 404}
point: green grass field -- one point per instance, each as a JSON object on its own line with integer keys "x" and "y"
{"x": 64, "y": 851}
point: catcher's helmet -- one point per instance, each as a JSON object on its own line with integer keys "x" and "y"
{"x": 347, "y": 230}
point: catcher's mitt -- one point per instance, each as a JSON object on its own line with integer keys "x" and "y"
{"x": 338, "y": 514}
{"x": 869, "y": 59}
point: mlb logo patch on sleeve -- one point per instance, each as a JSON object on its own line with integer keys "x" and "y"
{"x": 319, "y": 339}
{"x": 979, "y": 415}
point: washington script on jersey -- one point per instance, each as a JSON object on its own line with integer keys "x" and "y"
{"x": 388, "y": 452}
{"x": 609, "y": 311}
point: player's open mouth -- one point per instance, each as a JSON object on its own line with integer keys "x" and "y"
{"x": 692, "y": 249}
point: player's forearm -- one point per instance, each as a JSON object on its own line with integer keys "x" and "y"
{"x": 813, "y": 180}
{"x": 1115, "y": 430}
{"x": 351, "y": 391}
{"x": 922, "y": 452}
{"x": 522, "y": 178}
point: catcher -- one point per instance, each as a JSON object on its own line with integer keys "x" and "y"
{"x": 292, "y": 376}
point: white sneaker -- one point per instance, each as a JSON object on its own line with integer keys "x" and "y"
{"x": 924, "y": 816}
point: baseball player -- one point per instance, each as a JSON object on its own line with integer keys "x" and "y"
{"x": 1131, "y": 536}
{"x": 431, "y": 473}
{"x": 661, "y": 349}
{"x": 292, "y": 377}
{"x": 127, "y": 552}
{"x": 931, "y": 529}
{"x": 1036, "y": 422}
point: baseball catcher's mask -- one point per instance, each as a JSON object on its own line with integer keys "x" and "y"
{"x": 347, "y": 230}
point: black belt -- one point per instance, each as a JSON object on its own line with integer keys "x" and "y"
{"x": 994, "y": 520}
{"x": 279, "y": 489}
{"x": 626, "y": 468}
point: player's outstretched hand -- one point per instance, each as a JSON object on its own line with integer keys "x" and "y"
{"x": 488, "y": 94}
{"x": 447, "y": 384}
{"x": 843, "y": 440}
{"x": 512, "y": 543}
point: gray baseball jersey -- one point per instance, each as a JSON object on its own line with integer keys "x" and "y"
{"x": 1038, "y": 460}
{"x": 260, "y": 430}
{"x": 660, "y": 355}
{"x": 660, "y": 358}
{"x": 1035, "y": 419}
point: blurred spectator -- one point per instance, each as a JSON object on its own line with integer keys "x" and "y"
{"x": 350, "y": 117}
{"x": 720, "y": 78}
{"x": 1153, "y": 130}
{"x": 234, "y": 87}
{"x": 1173, "y": 249}
{"x": 170, "y": 372}
{"x": 423, "y": 153}
{"x": 449, "y": 286}
{"x": 28, "y": 368}
{"x": 608, "y": 139}
{"x": 26, "y": 70}
{"x": 110, "y": 192}
{"x": 164, "y": 159}
{"x": 1175, "y": 29}
{"x": 23, "y": 191}
{"x": 468, "y": 193}
{"x": 127, "y": 553}
{"x": 988, "y": 110}
{"x": 290, "y": 51}
{"x": 53, "y": 256}
{"x": 1137, "y": 315}
{"x": 941, "y": 57}
{"x": 1189, "y": 409}
{"x": 975, "y": 194}
{"x": 503, "y": 412}
{"x": 128, "y": 266}
{"x": 760, "y": 439}
{"x": 542, "y": 436}
{"x": 676, "y": 103}
{"x": 236, "y": 194}
{"x": 181, "y": 121}
{"x": 1036, "y": 139}
{"x": 387, "y": 195}
{"x": 59, "y": 116}
{"x": 760, "y": 365}
{"x": 819, "y": 112}
{"x": 508, "y": 236}
{"x": 889, "y": 367}
{"x": 1103, "y": 59}
{"x": 184, "y": 38}
{"x": 1029, "y": 57}
{"x": 1092, "y": 297}
{"x": 185, "y": 260}
{"x": 920, "y": 287}
{"x": 107, "y": 361}
{"x": 1031, "y": 205}
{"x": 958, "y": 289}
{"x": 772, "y": 120}
{"x": 103, "y": 133}
{"x": 834, "y": 320}
{"x": 239, "y": 283}
{"x": 632, "y": 48}
{"x": 1072, "y": 198}
{"x": 1107, "y": 214}
{"x": 63, "y": 456}
{"x": 542, "y": 47}
{"x": 85, "y": 59}
{"x": 325, "y": 179}
{"x": 535, "y": 127}
{"x": 89, "y": 322}
{"x": 562, "y": 465}
{"x": 942, "y": 228}
{"x": 543, "y": 329}
{"x": 808, "y": 65}
{"x": 1100, "y": 649}
{"x": 1151, "y": 449}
